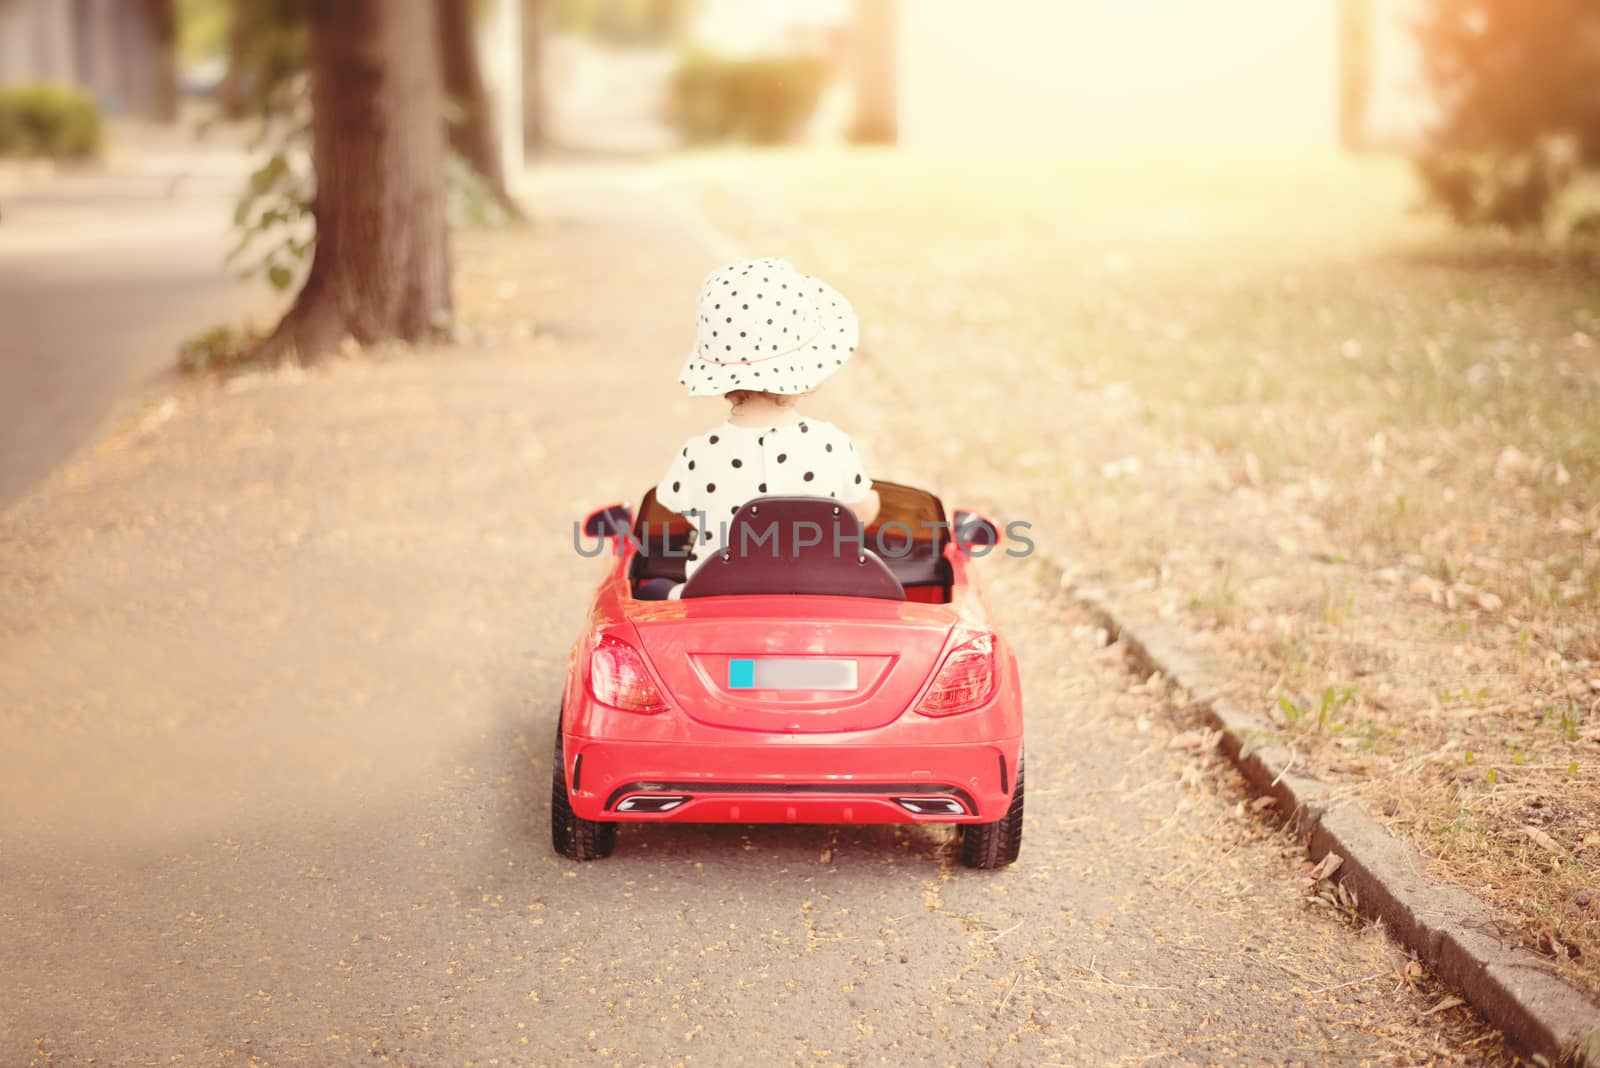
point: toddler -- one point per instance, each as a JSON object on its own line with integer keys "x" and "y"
{"x": 766, "y": 336}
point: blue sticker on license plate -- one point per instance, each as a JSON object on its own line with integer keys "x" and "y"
{"x": 798, "y": 673}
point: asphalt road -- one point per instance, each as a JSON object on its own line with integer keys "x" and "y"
{"x": 102, "y": 275}
{"x": 277, "y": 701}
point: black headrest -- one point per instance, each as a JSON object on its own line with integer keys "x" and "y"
{"x": 795, "y": 545}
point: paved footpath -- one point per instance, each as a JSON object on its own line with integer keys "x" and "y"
{"x": 102, "y": 275}
{"x": 277, "y": 681}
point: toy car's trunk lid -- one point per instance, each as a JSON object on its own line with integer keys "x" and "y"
{"x": 796, "y": 664}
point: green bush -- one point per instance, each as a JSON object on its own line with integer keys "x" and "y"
{"x": 57, "y": 121}
{"x": 1510, "y": 189}
{"x": 764, "y": 99}
{"x": 1518, "y": 118}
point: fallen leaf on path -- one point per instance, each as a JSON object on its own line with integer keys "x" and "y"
{"x": 1426, "y": 585}
{"x": 1199, "y": 740}
{"x": 158, "y": 415}
{"x": 1123, "y": 468}
{"x": 1327, "y": 866}
{"x": 1444, "y": 1005}
{"x": 1544, "y": 840}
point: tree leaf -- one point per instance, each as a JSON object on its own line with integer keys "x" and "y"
{"x": 1444, "y": 1005}
{"x": 1544, "y": 840}
{"x": 1327, "y": 866}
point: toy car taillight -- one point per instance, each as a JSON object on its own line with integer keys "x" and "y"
{"x": 617, "y": 677}
{"x": 964, "y": 681}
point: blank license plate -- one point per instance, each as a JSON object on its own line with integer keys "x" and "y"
{"x": 799, "y": 673}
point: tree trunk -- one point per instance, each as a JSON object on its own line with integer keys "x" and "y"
{"x": 1355, "y": 71}
{"x": 231, "y": 90}
{"x": 470, "y": 122}
{"x": 877, "y": 103}
{"x": 381, "y": 269}
{"x": 533, "y": 112}
{"x": 163, "y": 23}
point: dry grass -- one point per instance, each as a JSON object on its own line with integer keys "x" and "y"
{"x": 1357, "y": 453}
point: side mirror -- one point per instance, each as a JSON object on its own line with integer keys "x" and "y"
{"x": 970, "y": 530}
{"x": 612, "y": 521}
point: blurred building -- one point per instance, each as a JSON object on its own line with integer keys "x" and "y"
{"x": 108, "y": 47}
{"x": 1143, "y": 74}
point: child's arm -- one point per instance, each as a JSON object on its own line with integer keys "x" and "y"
{"x": 866, "y": 509}
{"x": 857, "y": 491}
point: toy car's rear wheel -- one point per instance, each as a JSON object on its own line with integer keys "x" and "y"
{"x": 994, "y": 845}
{"x": 570, "y": 833}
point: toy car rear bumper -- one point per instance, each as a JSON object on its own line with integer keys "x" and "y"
{"x": 790, "y": 783}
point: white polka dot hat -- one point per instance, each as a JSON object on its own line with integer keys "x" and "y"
{"x": 764, "y": 325}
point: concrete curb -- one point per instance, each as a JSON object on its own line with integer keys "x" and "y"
{"x": 1450, "y": 930}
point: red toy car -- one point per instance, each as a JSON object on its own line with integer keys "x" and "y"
{"x": 793, "y": 683}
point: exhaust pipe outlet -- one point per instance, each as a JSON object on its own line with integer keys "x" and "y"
{"x": 651, "y": 802}
{"x": 931, "y": 806}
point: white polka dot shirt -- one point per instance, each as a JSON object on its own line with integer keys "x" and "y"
{"x": 717, "y": 472}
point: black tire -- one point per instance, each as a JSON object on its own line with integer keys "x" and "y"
{"x": 571, "y": 834}
{"x": 994, "y": 845}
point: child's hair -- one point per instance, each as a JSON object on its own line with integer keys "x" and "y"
{"x": 782, "y": 400}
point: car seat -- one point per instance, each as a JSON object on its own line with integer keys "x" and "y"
{"x": 795, "y": 545}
